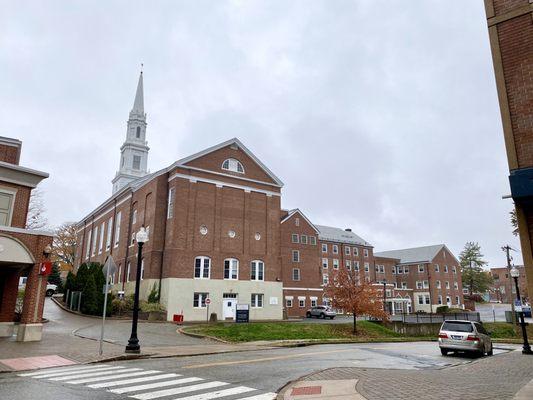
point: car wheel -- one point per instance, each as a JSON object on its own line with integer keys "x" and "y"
{"x": 49, "y": 292}
{"x": 491, "y": 351}
{"x": 331, "y": 317}
{"x": 323, "y": 316}
{"x": 308, "y": 315}
{"x": 444, "y": 352}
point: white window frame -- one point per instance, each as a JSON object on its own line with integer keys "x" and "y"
{"x": 347, "y": 251}
{"x": 314, "y": 302}
{"x": 233, "y": 165}
{"x": 335, "y": 249}
{"x": 457, "y": 300}
{"x": 356, "y": 266}
{"x": 447, "y": 284}
{"x": 303, "y": 239}
{"x": 288, "y": 303}
{"x": 312, "y": 240}
{"x": 405, "y": 270}
{"x": 257, "y": 268}
{"x": 438, "y": 284}
{"x": 324, "y": 247}
{"x": 231, "y": 266}
{"x": 426, "y": 284}
{"x": 202, "y": 296}
{"x": 257, "y": 300}
{"x": 420, "y": 268}
{"x": 95, "y": 240}
{"x": 297, "y": 221}
{"x": 419, "y": 285}
{"x": 128, "y": 272}
{"x": 296, "y": 274}
{"x": 404, "y": 285}
{"x": 134, "y": 217}
{"x": 454, "y": 269}
{"x": 355, "y": 252}
{"x": 203, "y": 267}
{"x": 437, "y": 268}
{"x": 300, "y": 304}
{"x": 295, "y": 256}
{"x": 88, "y": 244}
{"x": 365, "y": 253}
{"x": 101, "y": 242}
{"x": 11, "y": 194}
{"x": 456, "y": 286}
{"x": 325, "y": 279}
{"x": 109, "y": 233}
{"x": 367, "y": 267}
{"x": 118, "y": 220}
{"x": 170, "y": 203}
{"x": 325, "y": 263}
{"x": 445, "y": 269}
{"x": 347, "y": 264}
{"x": 439, "y": 300}
{"x": 295, "y": 238}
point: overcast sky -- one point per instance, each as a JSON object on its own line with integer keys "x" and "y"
{"x": 381, "y": 116}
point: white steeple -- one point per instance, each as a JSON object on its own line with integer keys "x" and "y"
{"x": 134, "y": 151}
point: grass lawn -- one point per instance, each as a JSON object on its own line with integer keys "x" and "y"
{"x": 366, "y": 331}
{"x": 504, "y": 330}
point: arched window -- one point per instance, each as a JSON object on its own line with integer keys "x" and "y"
{"x": 233, "y": 165}
{"x": 138, "y": 132}
{"x": 231, "y": 268}
{"x": 257, "y": 270}
{"x": 202, "y": 267}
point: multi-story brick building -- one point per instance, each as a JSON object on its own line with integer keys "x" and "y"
{"x": 503, "y": 288}
{"x": 431, "y": 272}
{"x": 217, "y": 230}
{"x": 21, "y": 250}
{"x": 510, "y": 24}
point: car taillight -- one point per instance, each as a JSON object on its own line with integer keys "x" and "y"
{"x": 472, "y": 337}
{"x": 442, "y": 335}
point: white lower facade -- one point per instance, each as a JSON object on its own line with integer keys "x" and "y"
{"x": 265, "y": 299}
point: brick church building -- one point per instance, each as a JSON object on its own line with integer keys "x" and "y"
{"x": 217, "y": 230}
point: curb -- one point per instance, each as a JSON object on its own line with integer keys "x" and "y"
{"x": 200, "y": 336}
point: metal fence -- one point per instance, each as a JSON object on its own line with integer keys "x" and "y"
{"x": 432, "y": 318}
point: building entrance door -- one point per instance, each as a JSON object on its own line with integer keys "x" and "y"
{"x": 229, "y": 305}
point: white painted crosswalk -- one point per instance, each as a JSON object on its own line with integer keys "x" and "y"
{"x": 142, "y": 384}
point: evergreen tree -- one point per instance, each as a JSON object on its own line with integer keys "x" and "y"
{"x": 89, "y": 299}
{"x": 81, "y": 277}
{"x": 474, "y": 277}
{"x": 54, "y": 278}
{"x": 70, "y": 284}
{"x": 153, "y": 297}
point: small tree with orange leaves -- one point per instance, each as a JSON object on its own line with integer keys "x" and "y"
{"x": 352, "y": 294}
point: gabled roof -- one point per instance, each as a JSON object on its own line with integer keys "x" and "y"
{"x": 424, "y": 254}
{"x": 340, "y": 235}
{"x": 297, "y": 211}
{"x": 239, "y": 144}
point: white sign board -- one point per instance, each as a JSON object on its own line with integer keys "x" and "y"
{"x": 273, "y": 301}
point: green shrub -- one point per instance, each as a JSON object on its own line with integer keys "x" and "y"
{"x": 121, "y": 306}
{"x": 442, "y": 309}
{"x": 150, "y": 307}
{"x": 153, "y": 297}
{"x": 89, "y": 298}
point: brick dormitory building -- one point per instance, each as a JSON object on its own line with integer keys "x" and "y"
{"x": 217, "y": 230}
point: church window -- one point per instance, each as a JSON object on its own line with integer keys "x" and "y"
{"x": 233, "y": 165}
{"x": 138, "y": 132}
{"x": 137, "y": 162}
{"x": 231, "y": 268}
{"x": 202, "y": 267}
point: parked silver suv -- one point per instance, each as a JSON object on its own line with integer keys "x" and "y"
{"x": 321, "y": 312}
{"x": 468, "y": 336}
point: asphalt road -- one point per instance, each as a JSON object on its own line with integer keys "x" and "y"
{"x": 252, "y": 373}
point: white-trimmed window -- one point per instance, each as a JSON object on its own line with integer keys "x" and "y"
{"x": 439, "y": 300}
{"x": 117, "y": 228}
{"x": 297, "y": 221}
{"x": 404, "y": 285}
{"x": 128, "y": 272}
{"x": 313, "y": 301}
{"x": 335, "y": 263}
{"x": 132, "y": 240}
{"x": 288, "y": 302}
{"x": 426, "y": 284}
{"x": 438, "y": 284}
{"x": 295, "y": 238}
{"x": 231, "y": 268}
{"x": 419, "y": 284}
{"x": 455, "y": 285}
{"x": 199, "y": 300}
{"x": 400, "y": 270}
{"x": 427, "y": 299}
{"x": 356, "y": 266}
{"x": 447, "y": 285}
{"x": 109, "y": 232}
{"x": 457, "y": 300}
{"x": 6, "y": 206}
{"x": 134, "y": 218}
{"x": 296, "y": 274}
{"x": 420, "y": 268}
{"x": 202, "y": 267}
{"x": 355, "y": 252}
{"x": 119, "y": 273}
{"x": 257, "y": 300}
{"x": 325, "y": 279}
{"x": 312, "y": 240}
{"x": 170, "y": 203}
{"x": 324, "y": 248}
{"x": 406, "y": 269}
{"x": 303, "y": 239}
{"x": 367, "y": 267}
{"x": 365, "y": 252}
{"x": 445, "y": 268}
{"x": 325, "y": 263}
{"x": 347, "y": 250}
{"x": 437, "y": 268}
{"x": 335, "y": 249}
{"x": 295, "y": 256}
{"x": 454, "y": 269}
{"x": 233, "y": 165}
{"x": 420, "y": 299}
{"x": 347, "y": 264}
{"x": 95, "y": 238}
{"x": 448, "y": 300}
{"x": 301, "y": 302}
{"x": 101, "y": 242}
{"x": 88, "y": 245}
{"x": 257, "y": 270}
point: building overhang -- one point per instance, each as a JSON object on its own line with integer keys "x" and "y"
{"x": 21, "y": 175}
{"x": 521, "y": 181}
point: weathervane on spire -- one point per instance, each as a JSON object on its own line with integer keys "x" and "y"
{"x": 142, "y": 65}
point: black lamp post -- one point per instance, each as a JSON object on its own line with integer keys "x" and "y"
{"x": 526, "y": 349}
{"x": 133, "y": 342}
{"x": 384, "y": 295}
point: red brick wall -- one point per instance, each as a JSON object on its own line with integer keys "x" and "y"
{"x": 502, "y": 280}
{"x": 9, "y": 154}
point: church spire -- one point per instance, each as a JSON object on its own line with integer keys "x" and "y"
{"x": 134, "y": 151}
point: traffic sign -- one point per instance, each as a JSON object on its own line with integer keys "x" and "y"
{"x": 208, "y": 301}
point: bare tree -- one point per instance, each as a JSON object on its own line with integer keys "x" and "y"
{"x": 36, "y": 218}
{"x": 64, "y": 246}
{"x": 514, "y": 222}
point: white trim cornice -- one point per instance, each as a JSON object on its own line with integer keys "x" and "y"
{"x": 26, "y": 231}
{"x": 302, "y": 288}
{"x": 228, "y": 175}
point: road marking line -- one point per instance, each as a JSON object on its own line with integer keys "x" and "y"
{"x": 108, "y": 372}
{"x": 264, "y": 359}
{"x": 155, "y": 385}
{"x": 185, "y": 389}
{"x": 219, "y": 393}
{"x": 129, "y": 381}
{"x": 52, "y": 370}
{"x": 73, "y": 373}
{"x": 264, "y": 396}
{"x": 106, "y": 378}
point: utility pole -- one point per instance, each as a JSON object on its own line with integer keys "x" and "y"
{"x": 507, "y": 250}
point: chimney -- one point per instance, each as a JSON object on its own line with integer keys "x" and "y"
{"x": 348, "y": 229}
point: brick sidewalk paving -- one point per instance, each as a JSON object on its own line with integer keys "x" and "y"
{"x": 498, "y": 378}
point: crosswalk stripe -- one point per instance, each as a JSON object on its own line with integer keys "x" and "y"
{"x": 72, "y": 373}
{"x": 155, "y": 385}
{"x": 264, "y": 396}
{"x": 219, "y": 393}
{"x": 129, "y": 381}
{"x": 62, "y": 369}
{"x": 100, "y": 373}
{"x": 107, "y": 378}
{"x": 184, "y": 389}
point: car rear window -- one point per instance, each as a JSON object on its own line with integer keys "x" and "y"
{"x": 458, "y": 326}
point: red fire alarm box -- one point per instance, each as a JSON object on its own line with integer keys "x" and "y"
{"x": 45, "y": 268}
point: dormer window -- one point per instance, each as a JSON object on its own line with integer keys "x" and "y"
{"x": 233, "y": 165}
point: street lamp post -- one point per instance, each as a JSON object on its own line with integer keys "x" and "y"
{"x": 526, "y": 349}
{"x": 133, "y": 342}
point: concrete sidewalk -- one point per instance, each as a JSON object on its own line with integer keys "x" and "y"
{"x": 505, "y": 376}
{"x": 69, "y": 338}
